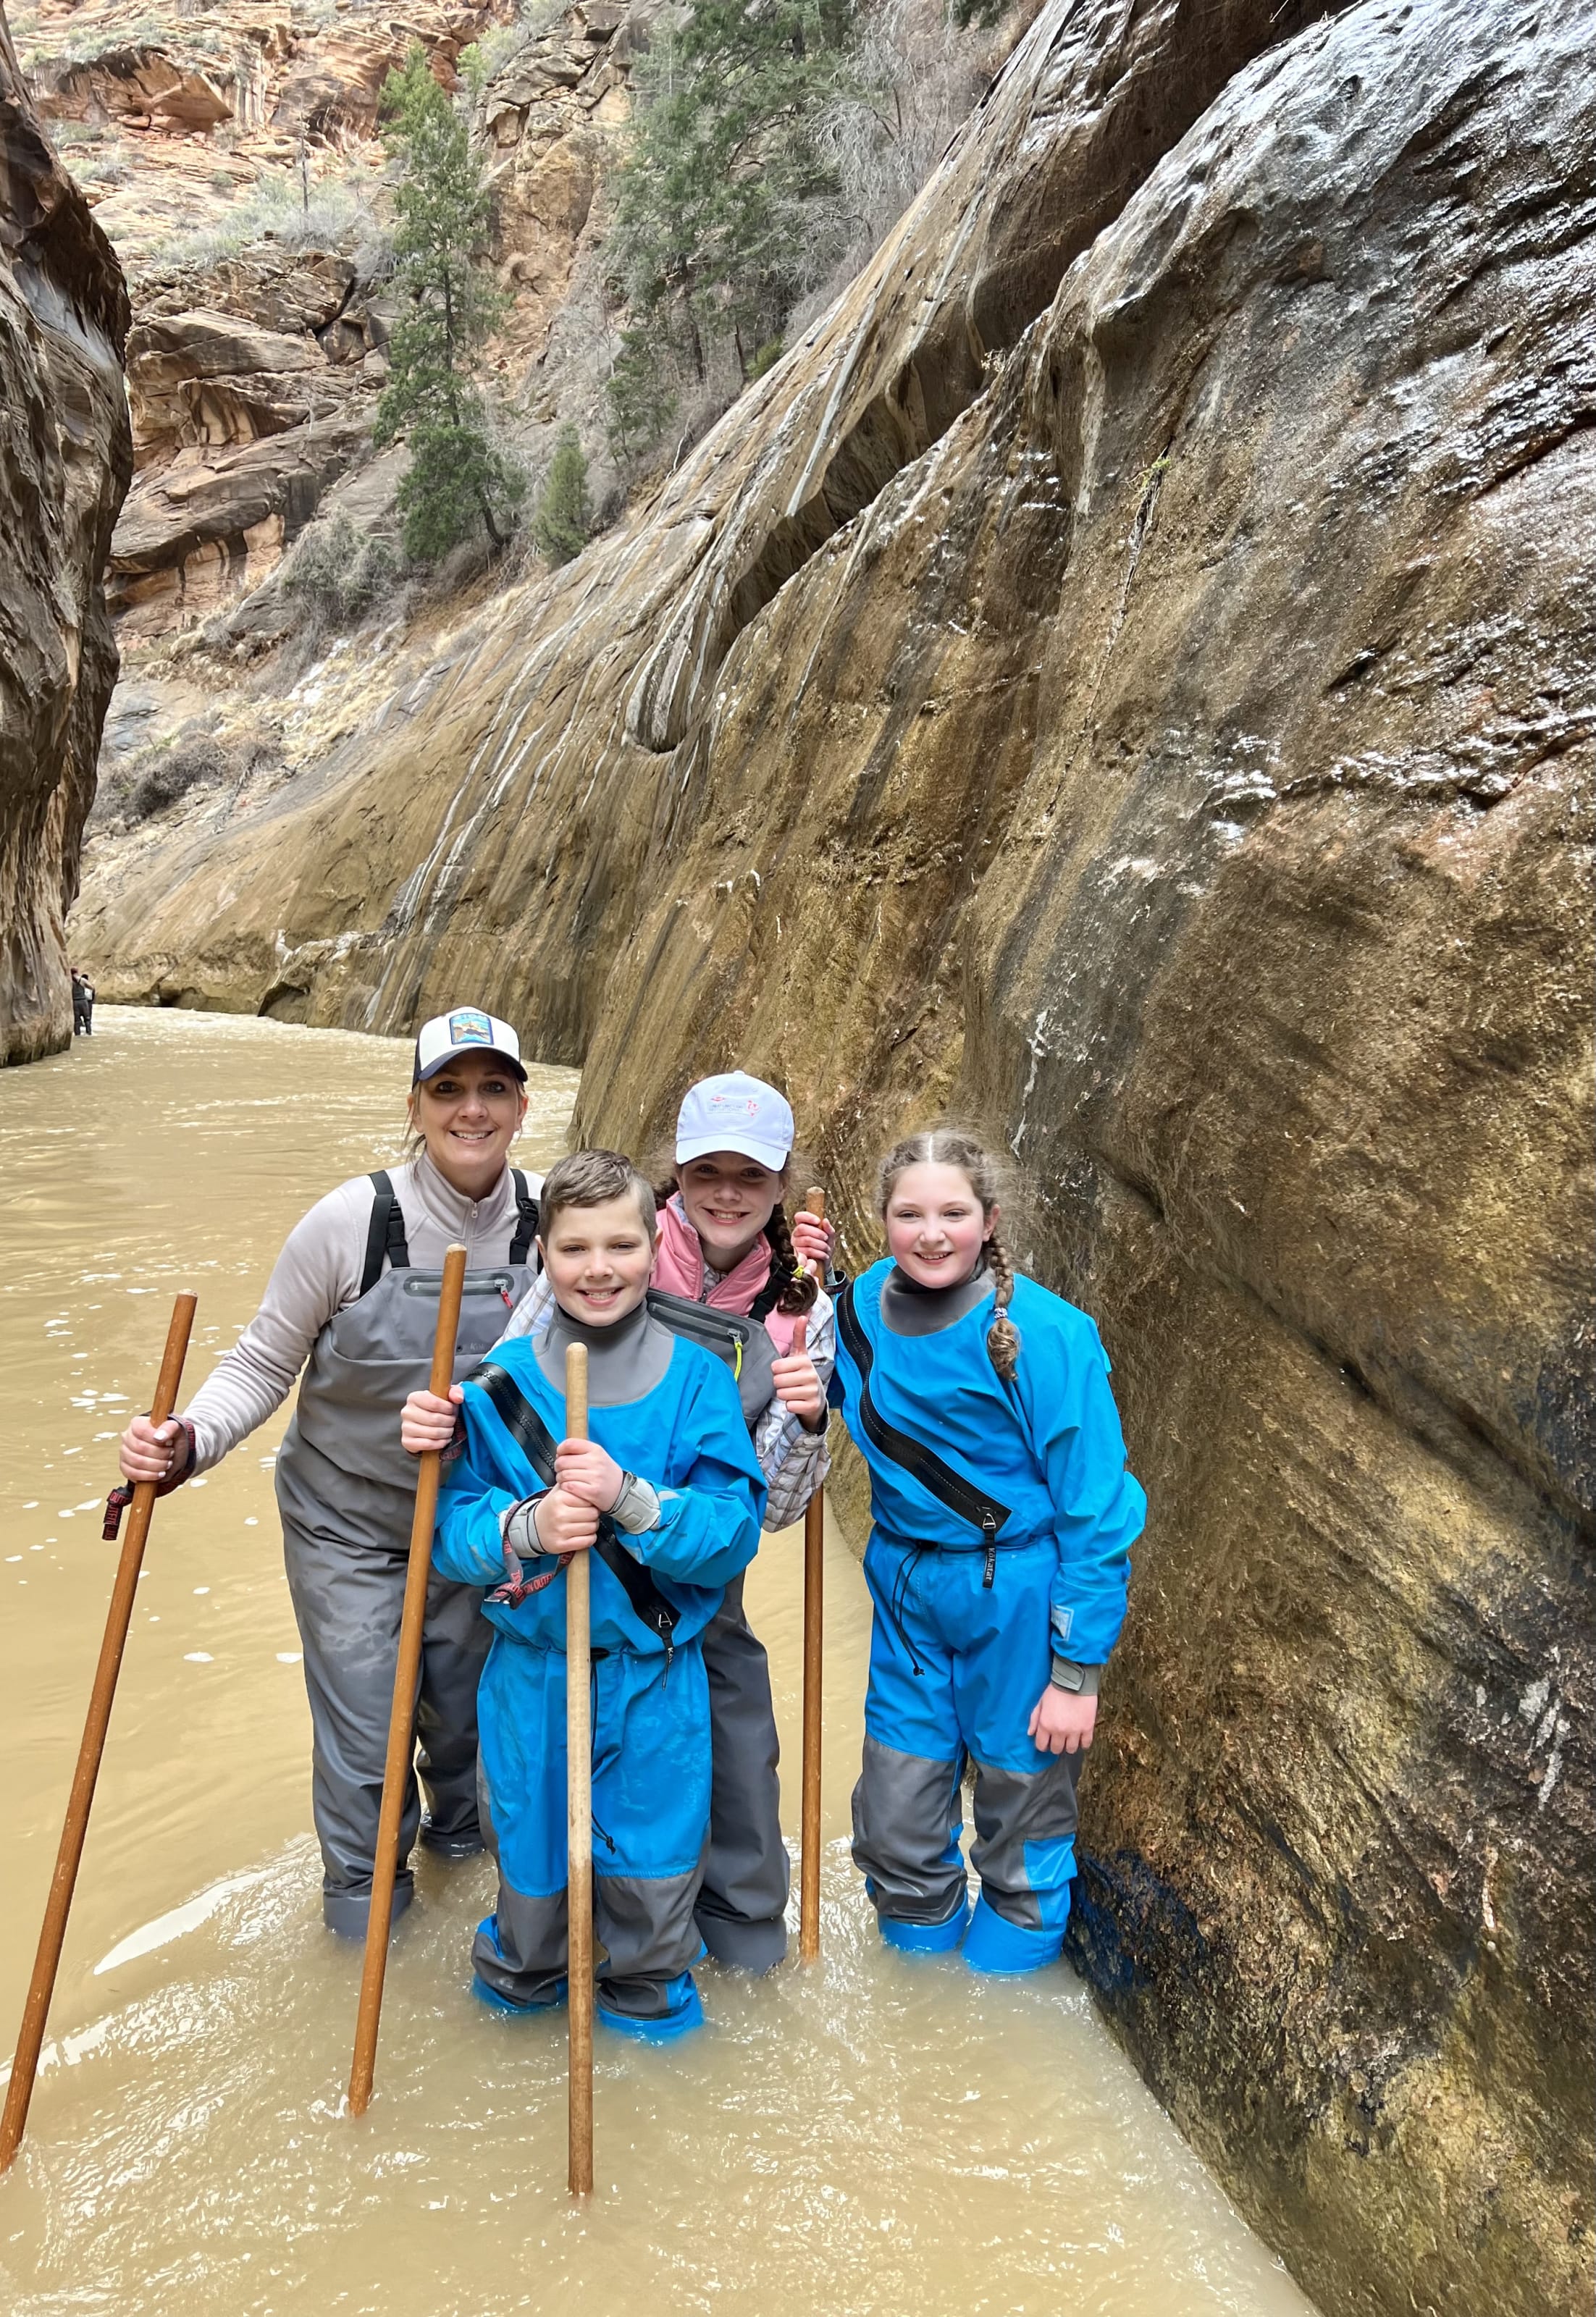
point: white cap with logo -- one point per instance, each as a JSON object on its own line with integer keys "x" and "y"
{"x": 735, "y": 1113}
{"x": 467, "y": 1031}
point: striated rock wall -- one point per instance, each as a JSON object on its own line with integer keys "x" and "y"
{"x": 64, "y": 463}
{"x": 1130, "y": 675}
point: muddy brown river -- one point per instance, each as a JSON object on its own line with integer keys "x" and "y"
{"x": 880, "y": 2134}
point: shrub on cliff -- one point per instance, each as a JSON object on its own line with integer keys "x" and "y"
{"x": 563, "y": 523}
{"x": 337, "y": 575}
{"x": 459, "y": 477}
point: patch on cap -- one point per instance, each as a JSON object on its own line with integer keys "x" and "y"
{"x": 467, "y": 1028}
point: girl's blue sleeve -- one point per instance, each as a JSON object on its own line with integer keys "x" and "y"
{"x": 467, "y": 1542}
{"x": 1100, "y": 1506}
{"x": 709, "y": 1522}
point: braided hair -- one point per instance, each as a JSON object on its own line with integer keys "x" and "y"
{"x": 949, "y": 1146}
{"x": 798, "y": 1288}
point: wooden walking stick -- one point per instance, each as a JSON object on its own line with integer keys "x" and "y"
{"x": 578, "y": 1814}
{"x": 814, "y": 1550}
{"x": 24, "y": 2067}
{"x": 401, "y": 1721}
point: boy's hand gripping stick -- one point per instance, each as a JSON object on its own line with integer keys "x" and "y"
{"x": 579, "y": 1818}
{"x": 814, "y": 1550}
{"x": 24, "y": 2067}
{"x": 401, "y": 1721}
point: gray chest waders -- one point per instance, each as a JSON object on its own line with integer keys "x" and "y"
{"x": 345, "y": 1490}
{"x": 742, "y": 1906}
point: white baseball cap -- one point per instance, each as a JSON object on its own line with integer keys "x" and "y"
{"x": 467, "y": 1031}
{"x": 735, "y": 1113}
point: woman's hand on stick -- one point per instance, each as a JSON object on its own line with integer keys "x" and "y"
{"x": 152, "y": 1452}
{"x": 1061, "y": 1723}
{"x": 427, "y": 1423}
{"x": 589, "y": 1473}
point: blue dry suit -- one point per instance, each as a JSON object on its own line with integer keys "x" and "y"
{"x": 650, "y": 1699}
{"x": 1003, "y": 1521}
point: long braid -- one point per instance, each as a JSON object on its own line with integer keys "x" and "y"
{"x": 1002, "y": 1338}
{"x": 949, "y": 1146}
{"x": 798, "y": 1288}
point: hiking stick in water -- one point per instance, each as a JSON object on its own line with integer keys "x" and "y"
{"x": 401, "y": 1721}
{"x": 814, "y": 1548}
{"x": 24, "y": 2067}
{"x": 579, "y": 1813}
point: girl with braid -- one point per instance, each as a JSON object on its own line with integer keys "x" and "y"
{"x": 725, "y": 1243}
{"x": 997, "y": 1563}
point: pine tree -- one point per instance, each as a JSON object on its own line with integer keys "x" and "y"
{"x": 458, "y": 477}
{"x": 563, "y": 523}
{"x": 724, "y": 208}
{"x": 640, "y": 397}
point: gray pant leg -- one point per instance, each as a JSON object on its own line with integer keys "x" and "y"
{"x": 347, "y": 1601}
{"x": 455, "y": 1649}
{"x": 742, "y": 1902}
{"x": 520, "y": 1952}
{"x": 908, "y": 1816}
{"x": 646, "y": 1925}
{"x": 1023, "y": 1820}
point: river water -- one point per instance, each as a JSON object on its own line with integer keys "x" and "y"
{"x": 879, "y": 2134}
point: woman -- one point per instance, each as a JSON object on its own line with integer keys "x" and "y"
{"x": 725, "y": 1245}
{"x": 355, "y": 1294}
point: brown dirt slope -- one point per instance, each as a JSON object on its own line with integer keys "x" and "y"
{"x": 1129, "y": 674}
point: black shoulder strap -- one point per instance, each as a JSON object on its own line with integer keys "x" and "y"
{"x": 961, "y": 1496}
{"x": 537, "y": 1443}
{"x": 527, "y": 1226}
{"x": 386, "y": 1233}
{"x": 765, "y": 1301}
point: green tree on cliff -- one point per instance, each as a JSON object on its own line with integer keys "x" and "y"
{"x": 563, "y": 523}
{"x": 724, "y": 207}
{"x": 458, "y": 477}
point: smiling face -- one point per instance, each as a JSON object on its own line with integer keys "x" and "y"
{"x": 598, "y": 1260}
{"x": 935, "y": 1225}
{"x": 467, "y": 1115}
{"x": 728, "y": 1199}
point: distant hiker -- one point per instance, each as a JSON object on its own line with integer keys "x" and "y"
{"x": 997, "y": 1564}
{"x": 82, "y": 1005}
{"x": 726, "y": 1247}
{"x": 355, "y": 1294}
{"x": 667, "y": 1494}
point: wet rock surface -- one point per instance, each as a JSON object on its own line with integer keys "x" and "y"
{"x": 1128, "y": 676}
{"x": 64, "y": 462}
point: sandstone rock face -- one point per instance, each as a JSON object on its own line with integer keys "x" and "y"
{"x": 64, "y": 464}
{"x": 1129, "y": 676}
{"x": 252, "y": 369}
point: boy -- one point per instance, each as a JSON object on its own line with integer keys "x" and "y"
{"x": 667, "y": 1497}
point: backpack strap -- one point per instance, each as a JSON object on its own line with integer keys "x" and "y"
{"x": 765, "y": 1301}
{"x": 526, "y": 1209}
{"x": 537, "y": 1443}
{"x": 385, "y": 1236}
{"x": 959, "y": 1494}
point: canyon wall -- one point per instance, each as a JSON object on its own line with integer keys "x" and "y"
{"x": 1129, "y": 676}
{"x": 65, "y": 458}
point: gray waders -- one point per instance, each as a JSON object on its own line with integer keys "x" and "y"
{"x": 741, "y": 1907}
{"x": 346, "y": 1490}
